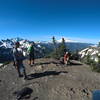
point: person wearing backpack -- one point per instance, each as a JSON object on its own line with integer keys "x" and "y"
{"x": 30, "y": 51}
{"x": 66, "y": 58}
{"x": 18, "y": 60}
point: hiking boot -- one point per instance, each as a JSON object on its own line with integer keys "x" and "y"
{"x": 31, "y": 65}
{"x": 26, "y": 78}
{"x": 20, "y": 76}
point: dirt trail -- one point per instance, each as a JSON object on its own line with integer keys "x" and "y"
{"x": 51, "y": 81}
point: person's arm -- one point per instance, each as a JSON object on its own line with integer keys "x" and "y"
{"x": 14, "y": 54}
{"x": 22, "y": 53}
{"x": 28, "y": 50}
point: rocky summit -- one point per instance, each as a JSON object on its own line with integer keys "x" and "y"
{"x": 49, "y": 80}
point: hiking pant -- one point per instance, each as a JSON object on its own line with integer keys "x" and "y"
{"x": 66, "y": 61}
{"x": 20, "y": 68}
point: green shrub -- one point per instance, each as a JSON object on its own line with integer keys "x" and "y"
{"x": 95, "y": 67}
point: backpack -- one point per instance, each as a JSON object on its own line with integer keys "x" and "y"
{"x": 18, "y": 55}
{"x": 31, "y": 49}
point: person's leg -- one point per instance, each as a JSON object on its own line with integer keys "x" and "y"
{"x": 24, "y": 73}
{"x": 32, "y": 59}
{"x": 18, "y": 70}
{"x": 22, "y": 69}
{"x": 66, "y": 62}
{"x": 29, "y": 60}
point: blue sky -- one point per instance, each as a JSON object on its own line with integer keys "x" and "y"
{"x": 42, "y": 19}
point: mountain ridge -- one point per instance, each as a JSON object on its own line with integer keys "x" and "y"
{"x": 41, "y": 48}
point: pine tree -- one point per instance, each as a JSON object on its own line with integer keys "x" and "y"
{"x": 54, "y": 53}
{"x": 54, "y": 42}
{"x": 62, "y": 48}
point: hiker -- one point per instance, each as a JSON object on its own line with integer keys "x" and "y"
{"x": 30, "y": 51}
{"x": 18, "y": 60}
{"x": 66, "y": 58}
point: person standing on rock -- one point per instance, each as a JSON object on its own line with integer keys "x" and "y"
{"x": 30, "y": 51}
{"x": 18, "y": 60}
{"x": 66, "y": 58}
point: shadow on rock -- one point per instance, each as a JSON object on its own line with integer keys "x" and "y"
{"x": 36, "y": 98}
{"x": 46, "y": 63}
{"x": 24, "y": 93}
{"x": 74, "y": 63}
{"x": 46, "y": 73}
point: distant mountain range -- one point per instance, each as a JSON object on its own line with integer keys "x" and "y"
{"x": 92, "y": 52}
{"x": 7, "y": 45}
{"x": 42, "y": 48}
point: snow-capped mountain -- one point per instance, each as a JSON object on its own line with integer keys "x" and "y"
{"x": 93, "y": 52}
{"x": 7, "y": 45}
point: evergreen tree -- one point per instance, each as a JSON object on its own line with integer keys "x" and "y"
{"x": 54, "y": 42}
{"x": 54, "y": 53}
{"x": 98, "y": 59}
{"x": 99, "y": 44}
{"x": 62, "y": 48}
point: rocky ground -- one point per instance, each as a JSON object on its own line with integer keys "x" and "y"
{"x": 50, "y": 80}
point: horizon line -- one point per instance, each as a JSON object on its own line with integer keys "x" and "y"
{"x": 75, "y": 40}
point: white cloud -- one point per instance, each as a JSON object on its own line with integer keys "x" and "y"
{"x": 86, "y": 40}
{"x": 76, "y": 39}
